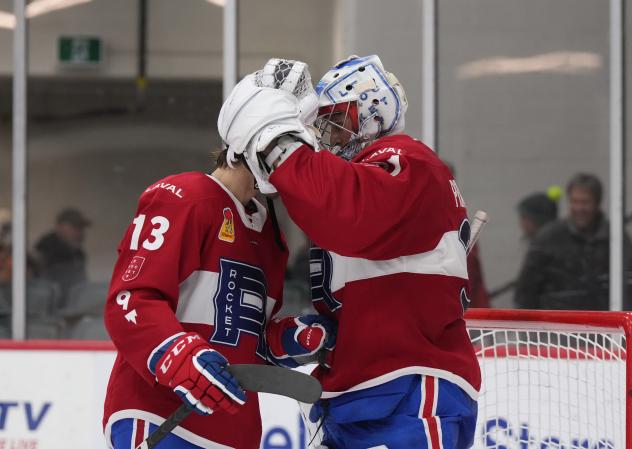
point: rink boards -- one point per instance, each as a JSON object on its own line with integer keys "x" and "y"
{"x": 52, "y": 398}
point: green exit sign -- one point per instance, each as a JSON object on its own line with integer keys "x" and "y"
{"x": 80, "y": 50}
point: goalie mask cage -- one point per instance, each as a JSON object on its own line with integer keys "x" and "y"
{"x": 553, "y": 379}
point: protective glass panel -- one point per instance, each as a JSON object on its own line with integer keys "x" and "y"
{"x": 523, "y": 109}
{"x": 101, "y": 132}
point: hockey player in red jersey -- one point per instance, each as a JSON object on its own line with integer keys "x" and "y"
{"x": 197, "y": 283}
{"x": 389, "y": 265}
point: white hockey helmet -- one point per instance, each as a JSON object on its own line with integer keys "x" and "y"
{"x": 359, "y": 102}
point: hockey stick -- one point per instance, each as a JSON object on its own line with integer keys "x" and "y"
{"x": 260, "y": 378}
{"x": 478, "y": 222}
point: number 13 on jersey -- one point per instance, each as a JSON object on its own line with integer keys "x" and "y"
{"x": 159, "y": 226}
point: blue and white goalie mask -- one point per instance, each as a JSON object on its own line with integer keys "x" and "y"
{"x": 359, "y": 102}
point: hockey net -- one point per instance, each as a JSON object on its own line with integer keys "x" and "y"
{"x": 558, "y": 380}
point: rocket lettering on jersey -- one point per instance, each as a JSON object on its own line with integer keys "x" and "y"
{"x": 240, "y": 304}
{"x": 458, "y": 198}
{"x": 166, "y": 186}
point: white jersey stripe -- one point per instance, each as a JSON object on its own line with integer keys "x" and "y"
{"x": 134, "y": 426}
{"x": 427, "y": 430}
{"x": 448, "y": 258}
{"x": 435, "y": 399}
{"x": 422, "y": 402}
{"x": 429, "y": 402}
{"x": 438, "y": 420}
{"x": 195, "y": 303}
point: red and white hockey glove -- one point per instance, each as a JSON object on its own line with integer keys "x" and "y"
{"x": 295, "y": 341}
{"x": 197, "y": 374}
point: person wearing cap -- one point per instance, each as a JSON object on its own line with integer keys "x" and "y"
{"x": 537, "y": 209}
{"x": 60, "y": 253}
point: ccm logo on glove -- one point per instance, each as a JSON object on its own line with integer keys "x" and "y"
{"x": 197, "y": 373}
{"x": 176, "y": 349}
{"x": 295, "y": 341}
{"x": 311, "y": 338}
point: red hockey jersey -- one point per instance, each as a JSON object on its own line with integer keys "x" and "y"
{"x": 394, "y": 272}
{"x": 193, "y": 259}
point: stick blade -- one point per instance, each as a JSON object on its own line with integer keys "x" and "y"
{"x": 275, "y": 380}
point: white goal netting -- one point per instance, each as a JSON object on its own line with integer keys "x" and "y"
{"x": 550, "y": 385}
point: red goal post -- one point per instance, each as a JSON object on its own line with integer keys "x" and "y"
{"x": 553, "y": 379}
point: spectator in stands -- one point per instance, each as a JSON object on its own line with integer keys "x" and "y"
{"x": 567, "y": 265}
{"x": 534, "y": 211}
{"x": 60, "y": 253}
{"x": 538, "y": 209}
{"x": 5, "y": 264}
{"x": 5, "y": 246}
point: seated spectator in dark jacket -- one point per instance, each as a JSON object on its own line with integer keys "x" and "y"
{"x": 60, "y": 254}
{"x": 567, "y": 265}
